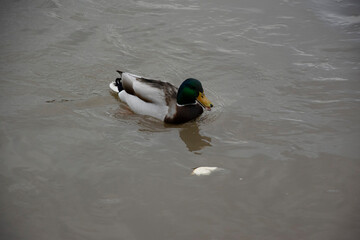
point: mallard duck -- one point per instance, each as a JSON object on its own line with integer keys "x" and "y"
{"x": 162, "y": 100}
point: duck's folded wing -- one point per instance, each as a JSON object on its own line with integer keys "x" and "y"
{"x": 152, "y": 91}
{"x": 145, "y": 108}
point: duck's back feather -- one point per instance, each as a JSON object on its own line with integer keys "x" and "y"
{"x": 152, "y": 91}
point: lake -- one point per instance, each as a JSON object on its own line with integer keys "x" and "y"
{"x": 283, "y": 76}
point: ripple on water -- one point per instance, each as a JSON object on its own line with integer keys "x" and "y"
{"x": 174, "y": 6}
{"x": 324, "y": 66}
{"x": 340, "y": 20}
{"x": 218, "y": 102}
{"x": 321, "y": 79}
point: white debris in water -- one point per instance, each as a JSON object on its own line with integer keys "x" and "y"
{"x": 200, "y": 171}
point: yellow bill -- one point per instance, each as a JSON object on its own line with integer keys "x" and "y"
{"x": 202, "y": 99}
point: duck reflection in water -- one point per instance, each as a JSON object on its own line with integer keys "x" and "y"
{"x": 191, "y": 136}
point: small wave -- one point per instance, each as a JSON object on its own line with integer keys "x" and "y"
{"x": 109, "y": 201}
{"x": 233, "y": 51}
{"x": 175, "y": 6}
{"x": 217, "y": 110}
{"x": 260, "y": 42}
{"x": 292, "y": 119}
{"x": 250, "y": 10}
{"x": 325, "y": 101}
{"x": 234, "y": 142}
{"x": 336, "y": 100}
{"x": 301, "y": 53}
{"x": 57, "y": 3}
{"x": 114, "y": 37}
{"x": 244, "y": 10}
{"x": 339, "y": 19}
{"x": 285, "y": 17}
{"x": 329, "y": 79}
{"x": 325, "y": 66}
{"x": 273, "y": 26}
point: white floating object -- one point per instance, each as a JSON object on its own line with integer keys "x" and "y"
{"x": 200, "y": 171}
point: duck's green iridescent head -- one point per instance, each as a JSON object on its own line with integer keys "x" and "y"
{"x": 191, "y": 91}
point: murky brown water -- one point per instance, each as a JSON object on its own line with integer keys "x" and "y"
{"x": 284, "y": 78}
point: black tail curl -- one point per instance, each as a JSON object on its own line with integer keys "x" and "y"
{"x": 118, "y": 82}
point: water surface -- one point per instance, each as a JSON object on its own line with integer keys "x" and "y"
{"x": 78, "y": 164}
